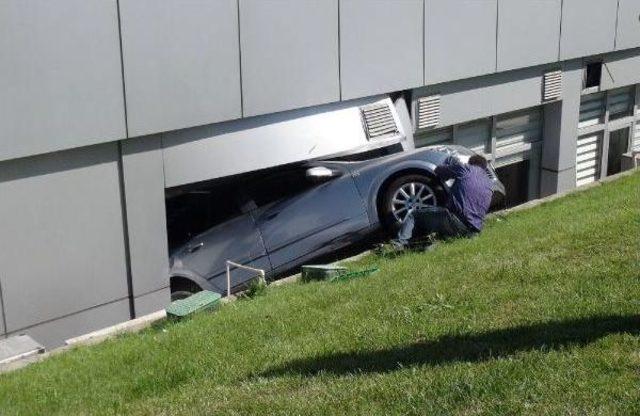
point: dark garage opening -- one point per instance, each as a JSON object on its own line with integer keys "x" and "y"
{"x": 618, "y": 145}
{"x": 515, "y": 178}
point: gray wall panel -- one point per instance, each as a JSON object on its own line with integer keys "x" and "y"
{"x": 460, "y": 39}
{"x": 65, "y": 212}
{"x": 181, "y": 63}
{"x": 471, "y": 99}
{"x": 60, "y": 75}
{"x": 289, "y": 54}
{"x": 230, "y": 148}
{"x": 54, "y": 333}
{"x": 622, "y": 69}
{"x": 143, "y": 173}
{"x": 588, "y": 27}
{"x": 152, "y": 302}
{"x": 377, "y": 56}
{"x": 628, "y": 35}
{"x": 528, "y": 32}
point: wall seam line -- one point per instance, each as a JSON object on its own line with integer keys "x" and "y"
{"x": 124, "y": 88}
{"x": 125, "y": 227}
{"x": 239, "y": 62}
{"x": 4, "y": 313}
{"x": 615, "y": 37}
{"x": 424, "y": 45}
{"x": 560, "y": 34}
{"x": 497, "y": 32}
{"x": 339, "y": 53}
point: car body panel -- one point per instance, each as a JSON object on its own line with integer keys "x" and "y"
{"x": 308, "y": 222}
{"x": 238, "y": 240}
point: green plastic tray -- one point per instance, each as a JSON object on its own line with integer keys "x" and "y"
{"x": 194, "y": 303}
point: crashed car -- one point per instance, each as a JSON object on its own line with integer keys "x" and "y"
{"x": 291, "y": 216}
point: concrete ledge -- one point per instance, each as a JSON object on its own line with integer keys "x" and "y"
{"x": 133, "y": 325}
{"x": 17, "y": 348}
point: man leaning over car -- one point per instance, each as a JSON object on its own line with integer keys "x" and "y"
{"x": 464, "y": 215}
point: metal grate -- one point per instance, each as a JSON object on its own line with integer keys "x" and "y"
{"x": 378, "y": 121}
{"x": 428, "y": 112}
{"x": 552, "y": 89}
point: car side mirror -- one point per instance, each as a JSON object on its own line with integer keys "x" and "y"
{"x": 321, "y": 174}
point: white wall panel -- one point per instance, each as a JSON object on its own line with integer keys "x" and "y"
{"x": 528, "y": 33}
{"x": 181, "y": 63}
{"x": 235, "y": 147}
{"x": 60, "y": 75}
{"x": 628, "y": 35}
{"x": 143, "y": 178}
{"x": 588, "y": 27}
{"x": 460, "y": 39}
{"x": 289, "y": 54}
{"x": 62, "y": 246}
{"x": 377, "y": 56}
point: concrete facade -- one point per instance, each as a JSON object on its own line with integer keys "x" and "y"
{"x": 107, "y": 103}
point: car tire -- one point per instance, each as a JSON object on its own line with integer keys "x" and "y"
{"x": 389, "y": 212}
{"x": 182, "y": 289}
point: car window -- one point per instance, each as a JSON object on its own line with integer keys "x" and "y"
{"x": 196, "y": 211}
{"x": 279, "y": 185}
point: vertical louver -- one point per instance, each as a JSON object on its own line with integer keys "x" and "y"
{"x": 378, "y": 121}
{"x": 552, "y": 89}
{"x": 428, "y": 110}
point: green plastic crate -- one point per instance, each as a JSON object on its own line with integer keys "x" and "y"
{"x": 194, "y": 303}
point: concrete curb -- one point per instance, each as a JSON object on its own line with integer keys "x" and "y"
{"x": 133, "y": 325}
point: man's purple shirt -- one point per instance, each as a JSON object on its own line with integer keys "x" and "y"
{"x": 470, "y": 194}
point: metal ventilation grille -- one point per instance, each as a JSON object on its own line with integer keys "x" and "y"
{"x": 552, "y": 89}
{"x": 428, "y": 112}
{"x": 378, "y": 121}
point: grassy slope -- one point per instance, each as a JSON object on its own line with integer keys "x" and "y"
{"x": 540, "y": 314}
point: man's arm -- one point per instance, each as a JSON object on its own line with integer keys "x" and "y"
{"x": 451, "y": 169}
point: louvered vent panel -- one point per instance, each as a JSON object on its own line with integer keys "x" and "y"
{"x": 588, "y": 159}
{"x": 552, "y": 86}
{"x": 428, "y": 111}
{"x": 378, "y": 121}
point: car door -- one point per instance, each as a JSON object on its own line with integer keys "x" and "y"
{"x": 299, "y": 218}
{"x": 235, "y": 237}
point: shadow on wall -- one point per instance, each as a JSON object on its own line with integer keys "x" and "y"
{"x": 467, "y": 347}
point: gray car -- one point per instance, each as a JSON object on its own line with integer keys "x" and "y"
{"x": 309, "y": 210}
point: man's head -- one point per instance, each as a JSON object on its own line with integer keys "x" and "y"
{"x": 477, "y": 160}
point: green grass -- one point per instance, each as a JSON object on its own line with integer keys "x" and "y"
{"x": 538, "y": 315}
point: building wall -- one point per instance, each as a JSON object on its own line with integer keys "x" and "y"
{"x": 190, "y": 63}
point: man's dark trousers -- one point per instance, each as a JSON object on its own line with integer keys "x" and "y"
{"x": 430, "y": 220}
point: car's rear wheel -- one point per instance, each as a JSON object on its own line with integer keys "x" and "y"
{"x": 405, "y": 194}
{"x": 182, "y": 288}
